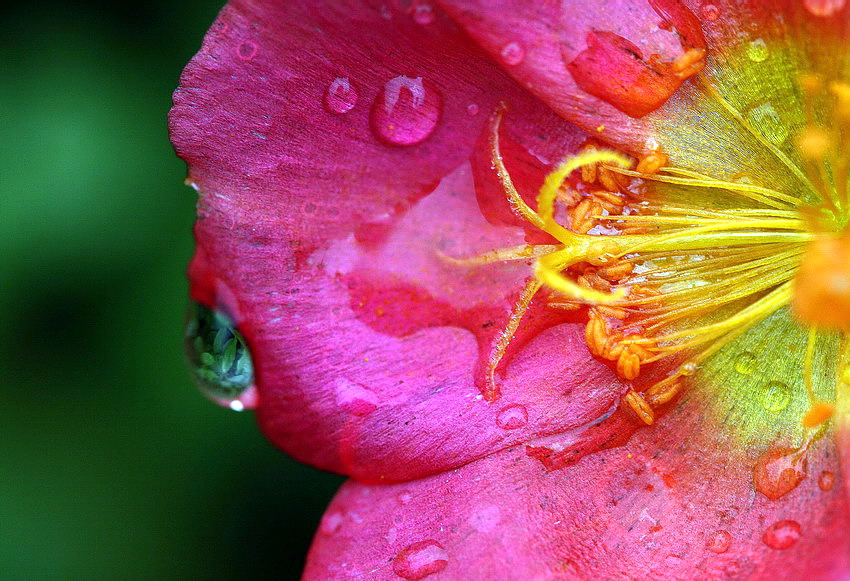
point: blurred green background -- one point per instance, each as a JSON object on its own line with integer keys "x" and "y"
{"x": 112, "y": 464}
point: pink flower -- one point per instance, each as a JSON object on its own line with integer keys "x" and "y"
{"x": 604, "y": 380}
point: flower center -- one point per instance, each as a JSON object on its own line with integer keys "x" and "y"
{"x": 665, "y": 278}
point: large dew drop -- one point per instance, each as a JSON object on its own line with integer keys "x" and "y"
{"x": 779, "y": 471}
{"x": 782, "y": 535}
{"x": 420, "y": 560}
{"x": 406, "y": 111}
{"x": 219, "y": 357}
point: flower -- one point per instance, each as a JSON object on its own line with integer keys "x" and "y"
{"x": 632, "y": 364}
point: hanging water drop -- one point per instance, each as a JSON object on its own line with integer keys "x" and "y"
{"x": 745, "y": 363}
{"x": 406, "y": 111}
{"x": 775, "y": 396}
{"x": 420, "y": 560}
{"x": 513, "y": 54}
{"x": 782, "y": 535}
{"x": 757, "y": 50}
{"x": 219, "y": 357}
{"x": 341, "y": 96}
{"x": 719, "y": 541}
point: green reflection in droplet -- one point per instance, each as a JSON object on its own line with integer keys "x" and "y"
{"x": 775, "y": 396}
{"x": 745, "y": 363}
{"x": 218, "y": 355}
{"x": 757, "y": 50}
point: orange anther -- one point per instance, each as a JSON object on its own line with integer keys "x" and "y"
{"x": 617, "y": 271}
{"x": 689, "y": 63}
{"x": 652, "y": 162}
{"x": 639, "y": 405}
{"x": 628, "y": 365}
{"x": 820, "y": 412}
{"x": 582, "y": 217}
{"x": 568, "y": 196}
{"x": 596, "y": 333}
{"x": 608, "y": 180}
{"x": 614, "y": 312}
{"x": 661, "y": 393}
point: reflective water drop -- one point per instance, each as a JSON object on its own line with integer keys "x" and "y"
{"x": 757, "y": 50}
{"x": 219, "y": 357}
{"x": 406, "y": 111}
{"x": 512, "y": 417}
{"x": 404, "y": 497}
{"x": 826, "y": 481}
{"x": 823, "y": 7}
{"x": 779, "y": 471}
{"x": 472, "y": 109}
{"x": 745, "y": 363}
{"x": 767, "y": 120}
{"x": 782, "y": 535}
{"x": 423, "y": 14}
{"x": 420, "y": 560}
{"x": 331, "y": 522}
{"x": 246, "y": 50}
{"x": 710, "y": 12}
{"x": 775, "y": 396}
{"x": 719, "y": 541}
{"x": 513, "y": 53}
{"x": 341, "y": 96}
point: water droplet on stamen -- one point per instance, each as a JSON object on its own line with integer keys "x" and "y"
{"x": 710, "y": 12}
{"x": 757, "y": 50}
{"x": 341, "y": 96}
{"x": 779, "y": 471}
{"x": 826, "y": 481}
{"x": 406, "y": 111}
{"x": 775, "y": 396}
{"x": 782, "y": 535}
{"x": 745, "y": 363}
{"x": 719, "y": 541}
{"x": 219, "y": 358}
{"x": 512, "y": 417}
{"x": 512, "y": 53}
{"x": 420, "y": 560}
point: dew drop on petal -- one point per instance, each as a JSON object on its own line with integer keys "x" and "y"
{"x": 745, "y": 363}
{"x": 775, "y": 396}
{"x": 779, "y": 471}
{"x": 404, "y": 497}
{"x": 513, "y": 53}
{"x": 341, "y": 96}
{"x": 782, "y": 535}
{"x": 719, "y": 541}
{"x": 331, "y": 522}
{"x": 246, "y": 50}
{"x": 757, "y": 50}
{"x": 406, "y": 111}
{"x": 710, "y": 12}
{"x": 766, "y": 119}
{"x": 420, "y": 560}
{"x": 472, "y": 109}
{"x": 823, "y": 7}
{"x": 219, "y": 358}
{"x": 826, "y": 481}
{"x": 355, "y": 398}
{"x": 423, "y": 14}
{"x": 512, "y": 417}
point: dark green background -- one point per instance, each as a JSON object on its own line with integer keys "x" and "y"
{"x": 112, "y": 465}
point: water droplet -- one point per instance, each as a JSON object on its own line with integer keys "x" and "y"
{"x": 782, "y": 535}
{"x": 745, "y": 363}
{"x": 826, "y": 481}
{"x": 404, "y": 497}
{"x": 331, "y": 522}
{"x": 688, "y": 368}
{"x": 341, "y": 96}
{"x": 651, "y": 144}
{"x": 420, "y": 560}
{"x": 778, "y": 471}
{"x": 710, "y": 12}
{"x": 246, "y": 50}
{"x": 512, "y": 417}
{"x": 472, "y": 109}
{"x": 354, "y": 398}
{"x": 823, "y": 7}
{"x": 767, "y": 120}
{"x": 219, "y": 357}
{"x": 406, "y": 111}
{"x": 719, "y": 541}
{"x": 775, "y": 396}
{"x": 513, "y": 53}
{"x": 757, "y": 50}
{"x": 423, "y": 14}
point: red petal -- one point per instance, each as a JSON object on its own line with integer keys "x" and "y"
{"x": 323, "y": 242}
{"x": 673, "y": 503}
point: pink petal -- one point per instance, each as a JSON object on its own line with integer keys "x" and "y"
{"x": 323, "y": 241}
{"x": 675, "y": 502}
